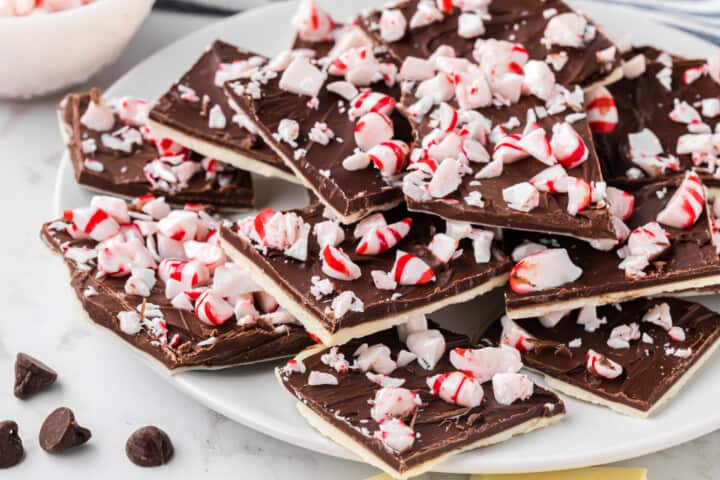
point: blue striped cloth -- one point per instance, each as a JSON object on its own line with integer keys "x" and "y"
{"x": 700, "y": 17}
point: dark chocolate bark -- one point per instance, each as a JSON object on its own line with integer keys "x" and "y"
{"x": 294, "y": 277}
{"x": 442, "y": 428}
{"x": 200, "y": 345}
{"x": 644, "y": 102}
{"x": 650, "y": 370}
{"x": 122, "y": 173}
{"x": 551, "y": 215}
{"x": 519, "y": 21}
{"x": 352, "y": 194}
{"x": 692, "y": 256}
{"x": 191, "y": 118}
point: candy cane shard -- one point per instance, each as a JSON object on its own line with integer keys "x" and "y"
{"x": 686, "y": 205}
{"x": 510, "y": 387}
{"x": 602, "y": 112}
{"x": 428, "y": 346}
{"x": 515, "y": 336}
{"x": 482, "y": 364}
{"x": 601, "y": 366}
{"x": 381, "y": 239}
{"x": 394, "y": 402}
{"x": 336, "y": 264}
{"x": 411, "y": 270}
{"x": 457, "y": 388}
{"x": 395, "y": 435}
{"x": 549, "y": 268}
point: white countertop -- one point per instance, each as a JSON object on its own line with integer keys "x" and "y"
{"x": 111, "y": 390}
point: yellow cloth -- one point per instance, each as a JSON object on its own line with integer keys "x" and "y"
{"x": 599, "y": 473}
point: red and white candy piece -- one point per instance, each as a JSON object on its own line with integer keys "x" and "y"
{"x": 98, "y": 117}
{"x": 602, "y": 113}
{"x": 513, "y": 335}
{"x": 539, "y": 79}
{"x": 212, "y": 309}
{"x": 457, "y": 388}
{"x": 394, "y": 402}
{"x": 484, "y": 363}
{"x": 93, "y": 222}
{"x": 381, "y": 239}
{"x": 117, "y": 258}
{"x": 523, "y": 197}
{"x": 425, "y": 14}
{"x": 659, "y": 315}
{"x": 336, "y": 264}
{"x": 511, "y": 387}
{"x": 182, "y": 275}
{"x": 132, "y": 111}
{"x": 395, "y": 435}
{"x": 411, "y": 270}
{"x": 537, "y": 145}
{"x": 372, "y": 129}
{"x": 179, "y": 225}
{"x": 389, "y": 157}
{"x": 370, "y": 101}
{"x": 621, "y": 203}
{"x": 567, "y": 30}
{"x": 376, "y": 358}
{"x": 579, "y": 195}
{"x": 648, "y": 241}
{"x": 376, "y": 220}
{"x": 686, "y": 205}
{"x": 392, "y": 25}
{"x": 446, "y": 178}
{"x": 568, "y": 146}
{"x": 428, "y": 346}
{"x": 209, "y": 255}
{"x": 601, "y": 366}
{"x": 677, "y": 334}
{"x": 543, "y": 270}
{"x": 311, "y": 23}
{"x": 508, "y": 149}
{"x": 552, "y": 180}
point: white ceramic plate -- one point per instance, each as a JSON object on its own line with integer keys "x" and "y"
{"x": 588, "y": 436}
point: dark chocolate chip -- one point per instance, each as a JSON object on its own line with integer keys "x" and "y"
{"x": 60, "y": 431}
{"x": 149, "y": 447}
{"x": 11, "y": 448}
{"x": 31, "y": 376}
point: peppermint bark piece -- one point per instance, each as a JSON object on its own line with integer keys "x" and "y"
{"x": 633, "y": 357}
{"x": 323, "y": 127}
{"x": 404, "y": 415}
{"x": 112, "y": 150}
{"x": 664, "y": 115}
{"x": 666, "y": 246}
{"x": 158, "y": 280}
{"x": 551, "y": 31}
{"x": 344, "y": 282}
{"x": 196, "y": 113}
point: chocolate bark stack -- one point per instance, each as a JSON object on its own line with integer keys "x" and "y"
{"x": 452, "y": 147}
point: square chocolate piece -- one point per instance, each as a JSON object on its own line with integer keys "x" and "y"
{"x": 112, "y": 151}
{"x": 314, "y": 121}
{"x": 147, "y": 289}
{"x": 547, "y": 30}
{"x": 658, "y": 121}
{"x": 556, "y": 273}
{"x": 344, "y": 282}
{"x": 404, "y": 415}
{"x": 633, "y": 357}
{"x": 196, "y": 113}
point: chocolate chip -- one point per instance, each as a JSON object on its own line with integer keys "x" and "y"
{"x": 60, "y": 431}
{"x": 149, "y": 447}
{"x": 11, "y": 448}
{"x": 31, "y": 376}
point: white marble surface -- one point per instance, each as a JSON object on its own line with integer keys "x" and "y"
{"x": 109, "y": 389}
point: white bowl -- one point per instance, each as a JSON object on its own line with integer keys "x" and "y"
{"x": 41, "y": 54}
